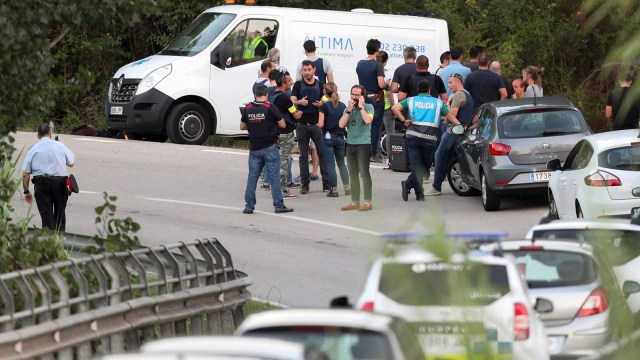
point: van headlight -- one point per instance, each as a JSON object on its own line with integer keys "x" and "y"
{"x": 151, "y": 80}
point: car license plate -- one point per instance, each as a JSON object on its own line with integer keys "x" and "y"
{"x": 541, "y": 176}
{"x": 554, "y": 344}
{"x": 441, "y": 341}
{"x": 116, "y": 110}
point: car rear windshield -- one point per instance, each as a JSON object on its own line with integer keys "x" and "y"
{"x": 547, "y": 268}
{"x": 425, "y": 284}
{"x": 622, "y": 158}
{"x": 540, "y": 123}
{"x": 619, "y": 246}
{"x": 334, "y": 342}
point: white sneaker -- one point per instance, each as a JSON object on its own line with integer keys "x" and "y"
{"x": 432, "y": 192}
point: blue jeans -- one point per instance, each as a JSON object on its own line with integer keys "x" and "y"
{"x": 420, "y": 158}
{"x": 358, "y": 158}
{"x": 443, "y": 155}
{"x": 376, "y": 125}
{"x": 334, "y": 152}
{"x": 269, "y": 160}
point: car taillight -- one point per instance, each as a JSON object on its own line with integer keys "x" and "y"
{"x": 368, "y": 306}
{"x": 602, "y": 178}
{"x": 521, "y": 322}
{"x": 497, "y": 149}
{"x": 595, "y": 303}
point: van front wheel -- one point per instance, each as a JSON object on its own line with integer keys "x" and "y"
{"x": 188, "y": 123}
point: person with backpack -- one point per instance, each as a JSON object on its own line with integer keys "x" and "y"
{"x": 334, "y": 139}
{"x": 409, "y": 87}
{"x": 286, "y": 137}
{"x": 307, "y": 96}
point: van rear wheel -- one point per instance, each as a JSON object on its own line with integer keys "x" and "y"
{"x": 188, "y": 123}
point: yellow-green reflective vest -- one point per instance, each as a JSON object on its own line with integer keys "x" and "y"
{"x": 250, "y": 51}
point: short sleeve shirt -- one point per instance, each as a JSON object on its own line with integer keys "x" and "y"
{"x": 458, "y": 99}
{"x": 286, "y": 108}
{"x": 48, "y": 157}
{"x": 359, "y": 132}
{"x": 403, "y": 72}
{"x": 261, "y": 120}
{"x": 368, "y": 72}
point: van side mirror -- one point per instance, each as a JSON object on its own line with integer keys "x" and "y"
{"x": 221, "y": 56}
{"x": 543, "y": 306}
{"x": 630, "y": 287}
{"x": 340, "y": 302}
{"x": 554, "y": 164}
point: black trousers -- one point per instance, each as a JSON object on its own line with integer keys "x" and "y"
{"x": 51, "y": 197}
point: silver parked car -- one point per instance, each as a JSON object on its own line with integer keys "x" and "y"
{"x": 507, "y": 152}
{"x": 572, "y": 303}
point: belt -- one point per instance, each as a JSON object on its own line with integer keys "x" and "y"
{"x": 49, "y": 177}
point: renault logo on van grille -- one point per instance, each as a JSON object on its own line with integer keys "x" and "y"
{"x": 119, "y": 83}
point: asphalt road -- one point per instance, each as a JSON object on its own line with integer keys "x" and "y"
{"x": 305, "y": 258}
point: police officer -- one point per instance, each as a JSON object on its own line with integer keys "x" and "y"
{"x": 422, "y": 134}
{"x": 262, "y": 120}
{"x": 47, "y": 161}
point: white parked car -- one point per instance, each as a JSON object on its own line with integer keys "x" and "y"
{"x": 343, "y": 334}
{"x": 466, "y": 306}
{"x": 618, "y": 238}
{"x": 230, "y": 347}
{"x": 599, "y": 178}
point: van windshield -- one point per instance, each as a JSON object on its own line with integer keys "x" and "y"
{"x": 198, "y": 35}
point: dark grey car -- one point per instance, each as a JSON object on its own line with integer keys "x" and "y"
{"x": 508, "y": 151}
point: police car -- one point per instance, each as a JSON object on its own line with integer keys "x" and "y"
{"x": 462, "y": 304}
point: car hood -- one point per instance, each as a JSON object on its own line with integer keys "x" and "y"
{"x": 141, "y": 68}
{"x": 539, "y": 150}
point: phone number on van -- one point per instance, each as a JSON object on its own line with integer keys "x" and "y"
{"x": 400, "y": 47}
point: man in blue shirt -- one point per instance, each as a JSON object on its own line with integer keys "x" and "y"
{"x": 47, "y": 161}
{"x": 422, "y": 134}
{"x": 454, "y": 67}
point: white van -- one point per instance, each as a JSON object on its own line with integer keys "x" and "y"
{"x": 187, "y": 92}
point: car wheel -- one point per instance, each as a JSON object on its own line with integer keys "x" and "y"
{"x": 490, "y": 200}
{"x": 188, "y": 123}
{"x": 454, "y": 176}
{"x": 553, "y": 207}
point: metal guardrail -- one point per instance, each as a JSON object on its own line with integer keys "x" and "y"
{"x": 113, "y": 302}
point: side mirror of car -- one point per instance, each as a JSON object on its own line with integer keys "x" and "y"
{"x": 458, "y": 129}
{"x": 554, "y": 164}
{"x": 340, "y": 302}
{"x": 630, "y": 287}
{"x": 543, "y": 306}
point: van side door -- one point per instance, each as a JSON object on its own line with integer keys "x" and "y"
{"x": 235, "y": 66}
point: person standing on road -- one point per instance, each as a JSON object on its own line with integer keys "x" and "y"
{"x": 286, "y": 137}
{"x": 445, "y": 60}
{"x": 518, "y": 88}
{"x": 371, "y": 77}
{"x": 47, "y": 162}
{"x": 461, "y": 107}
{"x": 422, "y": 134}
{"x": 262, "y": 120}
{"x": 357, "y": 118}
{"x": 532, "y": 76}
{"x": 484, "y": 85}
{"x": 324, "y": 71}
{"x": 405, "y": 70}
{"x": 454, "y": 67}
{"x": 333, "y": 136}
{"x": 387, "y": 118}
{"x": 496, "y": 67}
{"x": 623, "y": 116}
{"x": 307, "y": 95}
{"x": 265, "y": 68}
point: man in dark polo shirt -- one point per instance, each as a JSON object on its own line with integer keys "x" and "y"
{"x": 484, "y": 85}
{"x": 307, "y": 96}
{"x": 262, "y": 121}
{"x": 409, "y": 87}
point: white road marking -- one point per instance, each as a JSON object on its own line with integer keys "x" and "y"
{"x": 225, "y": 152}
{"x": 89, "y": 192}
{"x": 297, "y": 218}
{"x": 91, "y": 139}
